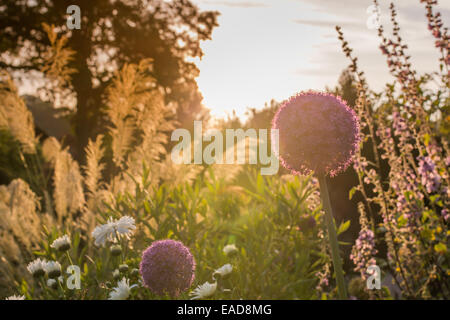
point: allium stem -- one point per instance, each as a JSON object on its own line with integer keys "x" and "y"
{"x": 332, "y": 236}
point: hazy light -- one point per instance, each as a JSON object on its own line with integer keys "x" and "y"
{"x": 266, "y": 50}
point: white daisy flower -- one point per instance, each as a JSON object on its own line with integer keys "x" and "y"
{"x": 230, "y": 248}
{"x": 224, "y": 270}
{"x": 113, "y": 229}
{"x": 53, "y": 269}
{"x": 122, "y": 291}
{"x": 104, "y": 232}
{"x": 61, "y": 244}
{"x": 125, "y": 225}
{"x": 204, "y": 290}
{"x": 37, "y": 267}
{"x": 14, "y": 297}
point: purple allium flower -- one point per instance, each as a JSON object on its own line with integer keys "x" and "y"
{"x": 317, "y": 131}
{"x": 167, "y": 267}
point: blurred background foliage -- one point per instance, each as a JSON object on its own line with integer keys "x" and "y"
{"x": 113, "y": 33}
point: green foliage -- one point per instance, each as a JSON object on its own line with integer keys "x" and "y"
{"x": 275, "y": 259}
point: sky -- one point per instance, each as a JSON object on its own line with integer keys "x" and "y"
{"x": 272, "y": 49}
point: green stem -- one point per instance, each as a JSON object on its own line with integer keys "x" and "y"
{"x": 332, "y": 236}
{"x": 70, "y": 259}
{"x": 61, "y": 288}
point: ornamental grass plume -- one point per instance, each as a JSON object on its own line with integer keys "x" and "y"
{"x": 167, "y": 267}
{"x": 318, "y": 132}
{"x": 15, "y": 116}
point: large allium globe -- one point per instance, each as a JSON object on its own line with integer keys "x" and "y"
{"x": 317, "y": 131}
{"x": 167, "y": 267}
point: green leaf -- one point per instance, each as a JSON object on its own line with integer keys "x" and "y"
{"x": 343, "y": 227}
{"x": 440, "y": 248}
{"x": 351, "y": 193}
{"x": 426, "y": 139}
{"x": 38, "y": 253}
{"x": 426, "y": 234}
{"x": 402, "y": 221}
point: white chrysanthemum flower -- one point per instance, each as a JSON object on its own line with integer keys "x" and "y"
{"x": 204, "y": 290}
{"x": 113, "y": 229}
{"x": 104, "y": 232}
{"x": 224, "y": 270}
{"x": 53, "y": 269}
{"x": 229, "y": 248}
{"x": 62, "y": 243}
{"x": 122, "y": 291}
{"x": 14, "y": 297}
{"x": 37, "y": 267}
{"x": 125, "y": 225}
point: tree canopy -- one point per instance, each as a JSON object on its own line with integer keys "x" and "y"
{"x": 112, "y": 33}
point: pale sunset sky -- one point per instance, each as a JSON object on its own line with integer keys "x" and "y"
{"x": 266, "y": 49}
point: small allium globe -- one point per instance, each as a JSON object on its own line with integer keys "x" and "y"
{"x": 317, "y": 132}
{"x": 167, "y": 267}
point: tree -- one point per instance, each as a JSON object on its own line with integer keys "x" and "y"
{"x": 112, "y": 33}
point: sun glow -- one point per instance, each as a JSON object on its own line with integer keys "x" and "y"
{"x": 265, "y": 50}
